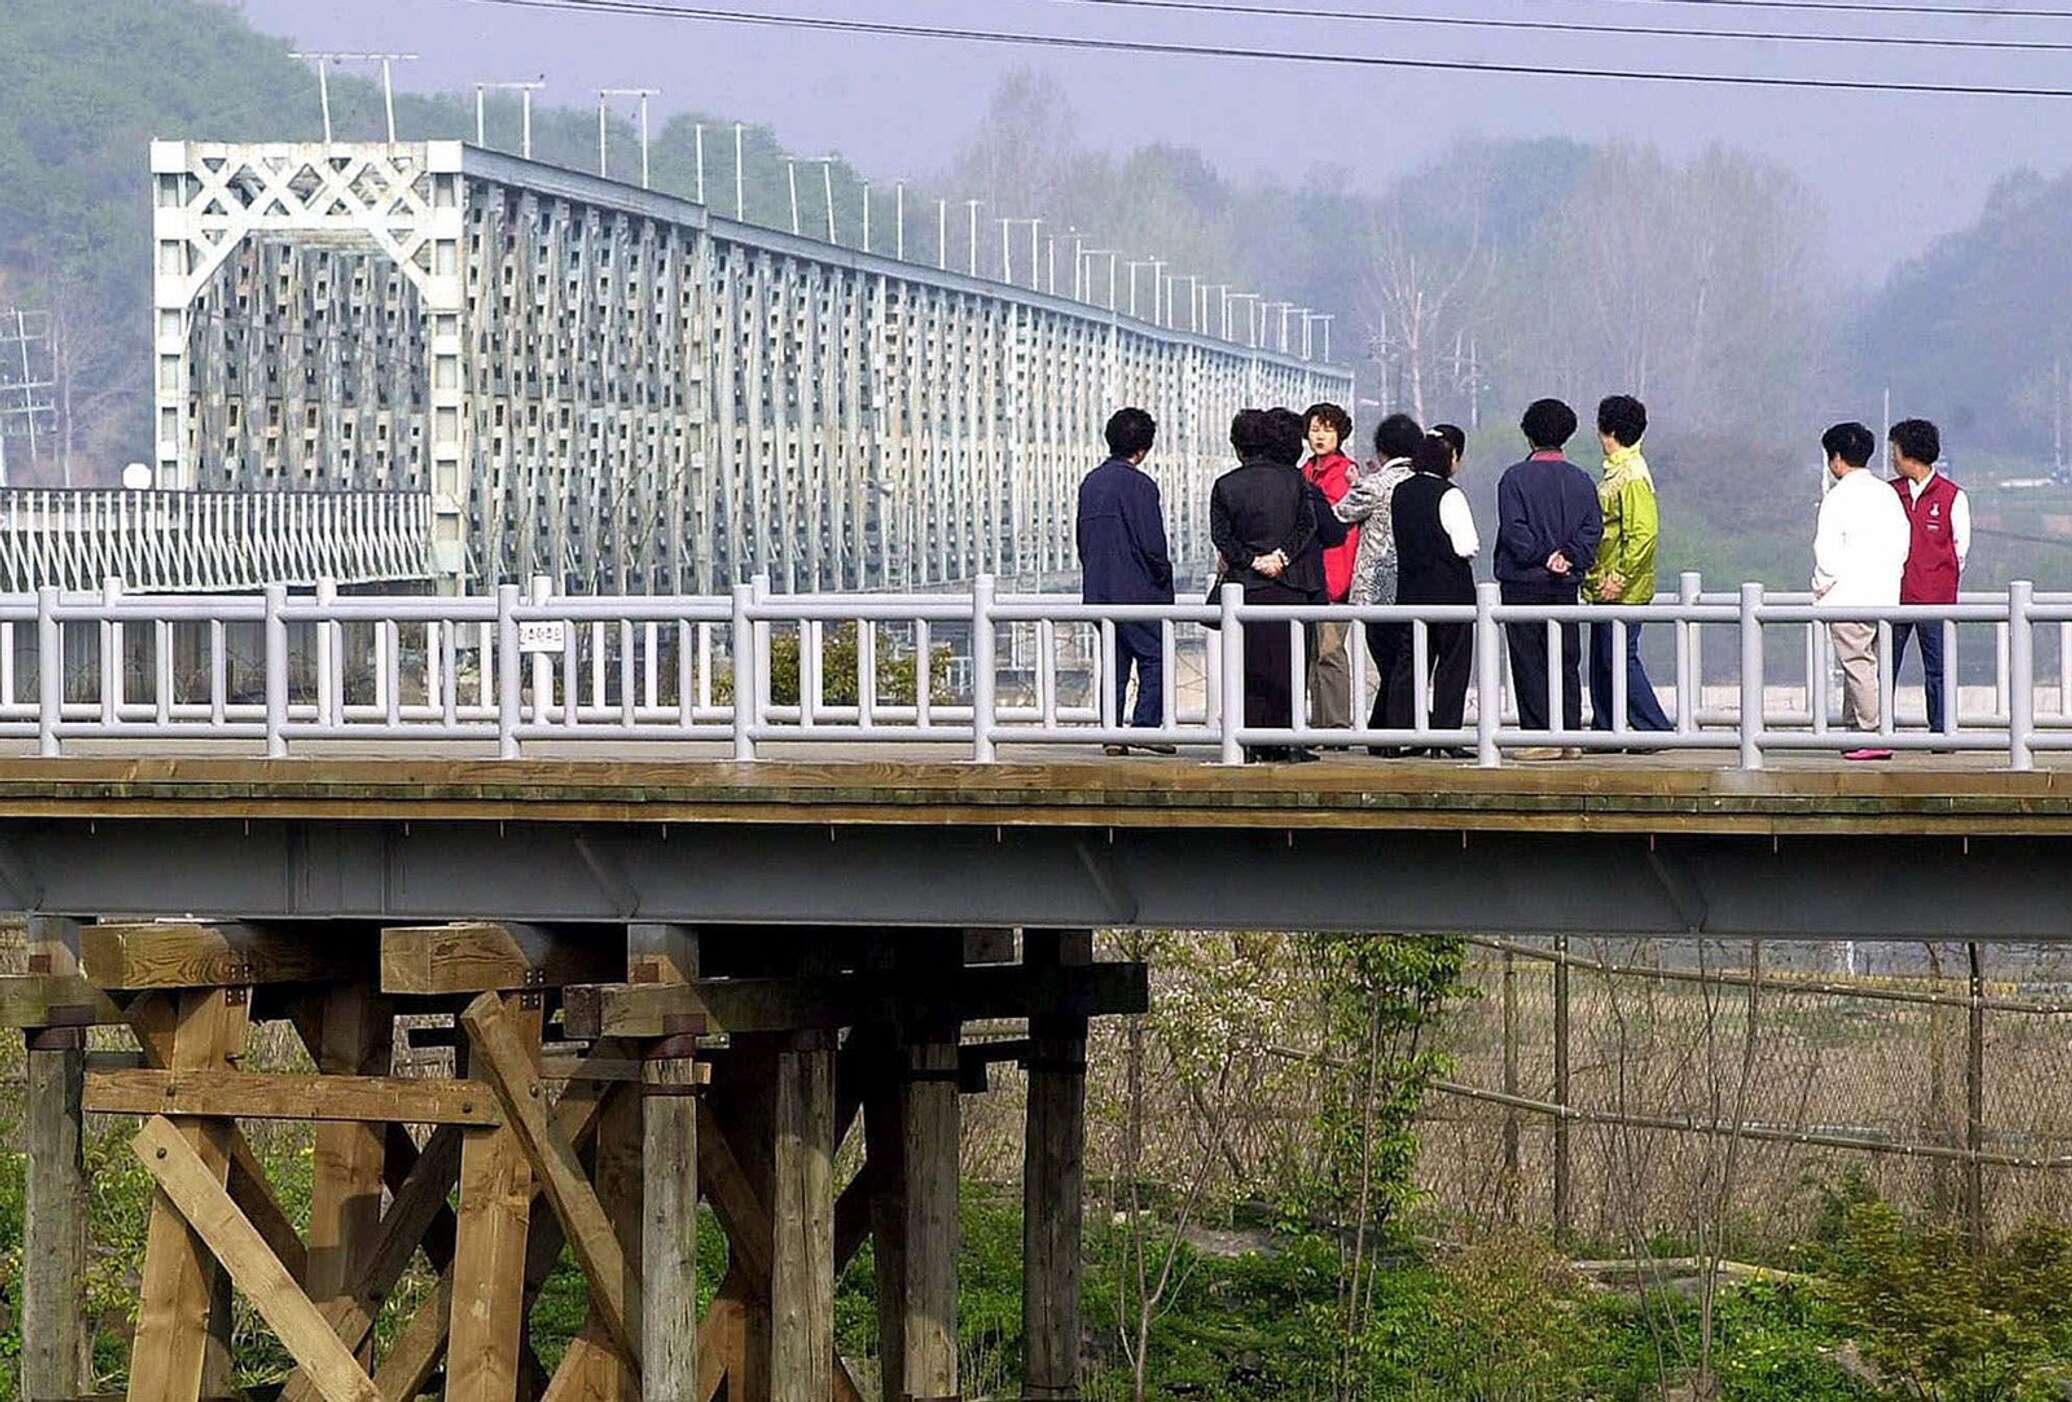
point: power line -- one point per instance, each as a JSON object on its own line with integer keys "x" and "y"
{"x": 1861, "y": 7}
{"x": 1207, "y": 7}
{"x": 650, "y": 9}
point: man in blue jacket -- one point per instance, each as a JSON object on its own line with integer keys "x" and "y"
{"x": 1123, "y": 560}
{"x": 1549, "y": 523}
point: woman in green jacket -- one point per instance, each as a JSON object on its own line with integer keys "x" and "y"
{"x": 1625, "y": 569}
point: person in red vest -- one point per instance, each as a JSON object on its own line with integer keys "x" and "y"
{"x": 1331, "y": 472}
{"x": 1940, "y": 514}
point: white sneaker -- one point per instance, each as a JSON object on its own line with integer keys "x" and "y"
{"x": 1540, "y": 752}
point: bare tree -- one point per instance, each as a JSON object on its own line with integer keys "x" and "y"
{"x": 1419, "y": 299}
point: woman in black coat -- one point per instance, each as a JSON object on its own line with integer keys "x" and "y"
{"x": 1263, "y": 522}
{"x": 1435, "y": 549}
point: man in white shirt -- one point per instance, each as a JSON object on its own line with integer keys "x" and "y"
{"x": 1859, "y": 555}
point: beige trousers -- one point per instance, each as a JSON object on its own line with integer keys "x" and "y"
{"x": 1330, "y": 679}
{"x": 1856, "y": 649}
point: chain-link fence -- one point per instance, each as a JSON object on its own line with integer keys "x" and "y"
{"x": 1611, "y": 1089}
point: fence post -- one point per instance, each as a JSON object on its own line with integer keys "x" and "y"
{"x": 1232, "y": 679}
{"x": 746, "y": 685}
{"x": 1975, "y": 1105}
{"x": 2021, "y": 665}
{"x": 1690, "y": 682}
{"x": 1511, "y": 1088}
{"x": 510, "y": 678}
{"x": 328, "y": 658}
{"x": 1751, "y": 719}
{"x": 1489, "y": 678}
{"x": 983, "y": 669}
{"x": 1561, "y": 1088}
{"x": 276, "y": 672}
{"x": 111, "y": 653}
{"x": 50, "y": 670}
{"x": 542, "y": 665}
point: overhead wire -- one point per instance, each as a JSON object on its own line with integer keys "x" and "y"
{"x": 1663, "y": 31}
{"x": 652, "y": 9}
{"x": 1866, "y": 7}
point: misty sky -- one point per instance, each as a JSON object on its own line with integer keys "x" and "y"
{"x": 1894, "y": 170}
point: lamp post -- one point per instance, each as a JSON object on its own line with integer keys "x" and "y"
{"x": 525, "y": 89}
{"x": 604, "y": 96}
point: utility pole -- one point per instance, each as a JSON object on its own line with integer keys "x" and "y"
{"x": 971, "y": 241}
{"x": 698, "y": 146}
{"x": 866, "y": 214}
{"x": 899, "y": 220}
{"x": 525, "y": 89}
{"x": 604, "y": 96}
{"x": 324, "y": 58}
{"x": 24, "y": 398}
{"x": 942, "y": 235}
{"x": 740, "y": 180}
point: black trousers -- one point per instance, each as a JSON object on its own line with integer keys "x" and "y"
{"x": 1269, "y": 652}
{"x": 1450, "y": 649}
{"x": 1527, "y": 643}
{"x": 1385, "y": 643}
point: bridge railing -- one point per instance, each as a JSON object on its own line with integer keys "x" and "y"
{"x": 950, "y": 674}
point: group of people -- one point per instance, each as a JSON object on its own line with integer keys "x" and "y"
{"x": 1298, "y": 522}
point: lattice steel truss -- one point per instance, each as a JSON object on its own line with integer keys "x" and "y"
{"x": 628, "y": 393}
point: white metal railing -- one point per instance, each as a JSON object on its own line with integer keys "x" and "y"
{"x": 752, "y": 669}
{"x": 74, "y": 538}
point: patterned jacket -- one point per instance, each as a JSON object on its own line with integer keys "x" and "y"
{"x": 1367, "y": 506}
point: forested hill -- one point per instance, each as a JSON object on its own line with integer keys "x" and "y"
{"x": 1978, "y": 332}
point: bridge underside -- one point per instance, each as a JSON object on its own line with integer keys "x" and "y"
{"x": 1796, "y": 854}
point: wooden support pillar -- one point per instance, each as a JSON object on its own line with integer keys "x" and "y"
{"x": 57, "y": 1347}
{"x": 930, "y": 1161}
{"x": 1053, "y": 1183}
{"x": 738, "y": 1171}
{"x": 802, "y": 1268}
{"x": 496, "y": 1187}
{"x": 669, "y": 1133}
{"x": 183, "y": 1320}
{"x": 884, "y": 1118}
{"x": 353, "y": 1031}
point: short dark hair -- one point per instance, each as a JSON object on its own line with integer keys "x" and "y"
{"x": 1455, "y": 438}
{"x": 1251, "y": 434}
{"x": 1434, "y": 455}
{"x": 1623, "y": 418}
{"x": 1851, "y": 442}
{"x": 1290, "y": 430}
{"x": 1333, "y": 415}
{"x": 1548, "y": 423}
{"x": 1131, "y": 431}
{"x": 1397, "y": 436}
{"x": 1917, "y": 440}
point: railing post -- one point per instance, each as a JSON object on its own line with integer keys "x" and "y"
{"x": 760, "y": 632}
{"x": 509, "y": 678}
{"x": 747, "y": 687}
{"x": 1489, "y": 676}
{"x": 2021, "y": 666}
{"x": 111, "y": 653}
{"x": 276, "y": 672}
{"x": 1690, "y": 686}
{"x": 328, "y": 659}
{"x": 1751, "y": 718}
{"x": 542, "y": 664}
{"x": 1232, "y": 679}
{"x": 983, "y": 674}
{"x": 50, "y": 670}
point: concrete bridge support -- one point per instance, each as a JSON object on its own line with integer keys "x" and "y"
{"x": 606, "y": 1082}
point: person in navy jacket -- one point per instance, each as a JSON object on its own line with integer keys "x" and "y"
{"x": 1549, "y": 524}
{"x": 1123, "y": 559}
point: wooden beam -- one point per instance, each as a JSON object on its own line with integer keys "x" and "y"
{"x": 196, "y": 1189}
{"x": 179, "y": 1327}
{"x": 736, "y": 1006}
{"x": 510, "y": 1069}
{"x": 1053, "y": 1183}
{"x": 54, "y": 1000}
{"x": 931, "y": 1228}
{"x": 192, "y": 954}
{"x": 594, "y": 1369}
{"x": 249, "y": 1095}
{"x": 740, "y": 1209}
{"x": 989, "y": 945}
{"x": 350, "y": 1033}
{"x": 488, "y": 1292}
{"x": 57, "y": 1345}
{"x": 669, "y": 1192}
{"x": 419, "y": 1201}
{"x": 154, "y": 1022}
{"x": 802, "y": 1213}
{"x": 883, "y": 1116}
{"x": 484, "y": 956}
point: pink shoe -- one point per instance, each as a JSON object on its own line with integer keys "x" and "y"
{"x": 1867, "y": 754}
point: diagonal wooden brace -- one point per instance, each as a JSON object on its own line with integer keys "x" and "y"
{"x": 192, "y": 1188}
{"x": 502, "y": 1059}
